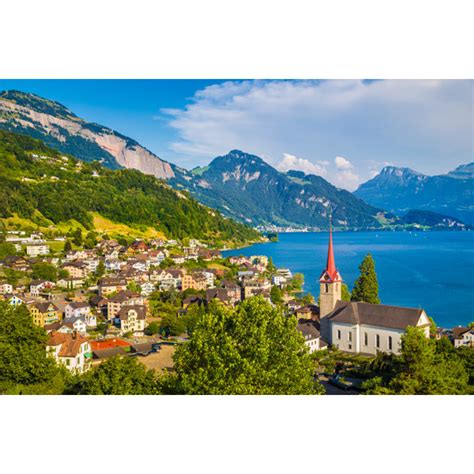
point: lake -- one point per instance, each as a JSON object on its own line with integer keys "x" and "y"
{"x": 431, "y": 270}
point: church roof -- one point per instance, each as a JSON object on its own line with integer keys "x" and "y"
{"x": 393, "y": 317}
{"x": 330, "y": 273}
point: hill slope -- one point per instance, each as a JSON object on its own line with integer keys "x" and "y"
{"x": 40, "y": 184}
{"x": 247, "y": 188}
{"x": 61, "y": 129}
{"x": 401, "y": 189}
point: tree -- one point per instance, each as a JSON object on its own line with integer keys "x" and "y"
{"x": 271, "y": 266}
{"x": 366, "y": 287}
{"x": 44, "y": 271}
{"x": 276, "y": 295}
{"x": 308, "y": 298}
{"x": 152, "y": 329}
{"x": 424, "y": 367}
{"x": 90, "y": 241}
{"x": 118, "y": 376}
{"x": 296, "y": 282}
{"x": 252, "y": 349}
{"x": 100, "y": 270}
{"x": 67, "y": 246}
{"x": 7, "y": 249}
{"x": 172, "y": 325}
{"x": 77, "y": 237}
{"x": 23, "y": 359}
{"x": 345, "y": 293}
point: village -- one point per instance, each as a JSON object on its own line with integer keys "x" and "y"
{"x": 142, "y": 299}
{"x": 132, "y": 299}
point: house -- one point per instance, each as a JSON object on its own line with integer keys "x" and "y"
{"x": 16, "y": 263}
{"x": 278, "y": 280}
{"x": 137, "y": 247}
{"x": 233, "y": 291}
{"x": 132, "y": 319}
{"x": 111, "y": 285}
{"x": 74, "y": 324}
{"x": 81, "y": 309}
{"x": 71, "y": 350}
{"x": 362, "y": 327}
{"x": 5, "y": 288}
{"x": 100, "y": 303}
{"x": 312, "y": 337}
{"x": 195, "y": 281}
{"x": 220, "y": 294}
{"x": 178, "y": 259}
{"x": 71, "y": 283}
{"x": 192, "y": 299}
{"x": 113, "y": 265}
{"x": 309, "y": 311}
{"x": 37, "y": 286}
{"x": 44, "y": 313}
{"x": 463, "y": 336}
{"x": 16, "y": 300}
{"x": 35, "y": 250}
{"x": 122, "y": 298}
{"x": 76, "y": 269}
{"x": 147, "y": 288}
{"x": 253, "y": 286}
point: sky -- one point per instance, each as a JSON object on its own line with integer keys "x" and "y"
{"x": 343, "y": 130}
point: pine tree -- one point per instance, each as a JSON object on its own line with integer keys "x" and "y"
{"x": 366, "y": 287}
{"x": 67, "y": 246}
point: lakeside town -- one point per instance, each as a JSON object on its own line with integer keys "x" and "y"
{"x": 98, "y": 298}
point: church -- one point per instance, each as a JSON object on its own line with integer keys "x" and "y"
{"x": 361, "y": 327}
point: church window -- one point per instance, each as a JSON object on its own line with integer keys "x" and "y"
{"x": 338, "y": 334}
{"x": 390, "y": 342}
{"x": 366, "y": 339}
{"x": 349, "y": 336}
{"x": 327, "y": 287}
{"x": 377, "y": 340}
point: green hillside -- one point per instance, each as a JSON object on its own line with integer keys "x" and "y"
{"x": 39, "y": 184}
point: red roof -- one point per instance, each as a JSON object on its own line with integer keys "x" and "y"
{"x": 330, "y": 273}
{"x": 108, "y": 344}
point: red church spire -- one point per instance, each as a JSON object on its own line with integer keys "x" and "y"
{"x": 330, "y": 273}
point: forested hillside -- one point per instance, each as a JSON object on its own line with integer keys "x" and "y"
{"x": 40, "y": 184}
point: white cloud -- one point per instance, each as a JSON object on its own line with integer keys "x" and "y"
{"x": 342, "y": 163}
{"x": 291, "y": 162}
{"x": 425, "y": 125}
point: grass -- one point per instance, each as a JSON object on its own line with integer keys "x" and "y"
{"x": 107, "y": 226}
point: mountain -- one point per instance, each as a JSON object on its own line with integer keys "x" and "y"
{"x": 245, "y": 187}
{"x": 432, "y": 220}
{"x": 61, "y": 129}
{"x": 40, "y": 187}
{"x": 401, "y": 189}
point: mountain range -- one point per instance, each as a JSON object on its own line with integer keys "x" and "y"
{"x": 400, "y": 189}
{"x": 243, "y": 186}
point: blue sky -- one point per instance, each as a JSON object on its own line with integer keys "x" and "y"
{"x": 343, "y": 130}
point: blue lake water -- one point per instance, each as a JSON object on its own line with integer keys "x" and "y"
{"x": 432, "y": 270}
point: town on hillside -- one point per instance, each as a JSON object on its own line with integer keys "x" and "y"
{"x": 142, "y": 299}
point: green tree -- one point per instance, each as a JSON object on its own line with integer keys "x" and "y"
{"x": 152, "y": 329}
{"x": 100, "y": 270}
{"x": 44, "y": 271}
{"x": 276, "y": 295}
{"x": 91, "y": 240}
{"x": 172, "y": 325}
{"x": 345, "y": 293}
{"x": 23, "y": 359}
{"x": 366, "y": 287}
{"x": 252, "y": 349}
{"x": 67, "y": 246}
{"x": 118, "y": 376}
{"x": 77, "y": 237}
{"x": 271, "y": 266}
{"x": 424, "y": 367}
{"x": 7, "y": 249}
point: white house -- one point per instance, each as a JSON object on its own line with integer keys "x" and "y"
{"x": 5, "y": 288}
{"x": 34, "y": 250}
{"x": 132, "y": 318}
{"x": 147, "y": 288}
{"x": 74, "y": 324}
{"x": 312, "y": 338}
{"x": 463, "y": 337}
{"x": 71, "y": 350}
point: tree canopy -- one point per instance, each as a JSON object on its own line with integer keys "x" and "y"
{"x": 252, "y": 349}
{"x": 366, "y": 287}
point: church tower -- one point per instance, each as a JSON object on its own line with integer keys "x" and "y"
{"x": 330, "y": 284}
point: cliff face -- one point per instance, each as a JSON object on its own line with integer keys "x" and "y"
{"x": 58, "y": 127}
